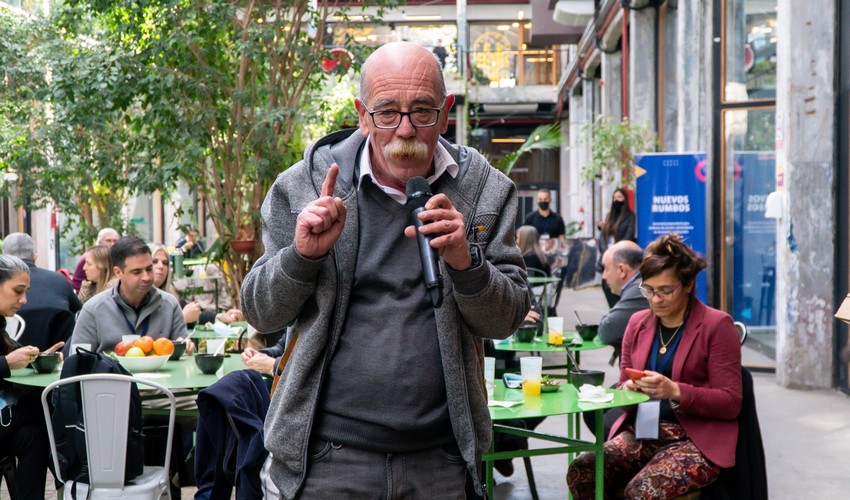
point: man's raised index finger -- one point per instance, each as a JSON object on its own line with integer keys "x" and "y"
{"x": 330, "y": 181}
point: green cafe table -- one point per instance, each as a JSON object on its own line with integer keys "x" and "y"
{"x": 563, "y": 402}
{"x": 540, "y": 345}
{"x": 180, "y": 374}
{"x": 202, "y": 332}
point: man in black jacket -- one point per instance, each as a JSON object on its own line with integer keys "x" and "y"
{"x": 51, "y": 308}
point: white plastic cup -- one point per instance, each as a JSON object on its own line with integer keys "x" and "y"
{"x": 130, "y": 338}
{"x": 490, "y": 374}
{"x": 531, "y": 368}
{"x": 555, "y": 324}
{"x": 214, "y": 344}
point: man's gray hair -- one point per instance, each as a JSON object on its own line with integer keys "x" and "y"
{"x": 20, "y": 245}
{"x": 105, "y": 231}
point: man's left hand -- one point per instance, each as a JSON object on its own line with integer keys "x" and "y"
{"x": 447, "y": 226}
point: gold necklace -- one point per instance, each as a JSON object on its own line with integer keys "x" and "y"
{"x": 663, "y": 349}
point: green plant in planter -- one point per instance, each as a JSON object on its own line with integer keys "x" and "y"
{"x": 613, "y": 145}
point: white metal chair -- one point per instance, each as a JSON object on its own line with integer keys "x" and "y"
{"x": 106, "y": 410}
{"x": 742, "y": 331}
{"x": 15, "y": 326}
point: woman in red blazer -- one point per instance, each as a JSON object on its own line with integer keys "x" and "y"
{"x": 690, "y": 357}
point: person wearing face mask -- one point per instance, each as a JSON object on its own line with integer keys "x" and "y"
{"x": 619, "y": 225}
{"x": 549, "y": 224}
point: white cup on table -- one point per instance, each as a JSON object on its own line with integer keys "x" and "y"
{"x": 490, "y": 375}
{"x": 531, "y": 368}
{"x": 555, "y": 325}
{"x": 214, "y": 344}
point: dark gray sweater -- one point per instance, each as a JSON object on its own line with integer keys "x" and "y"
{"x": 389, "y": 330}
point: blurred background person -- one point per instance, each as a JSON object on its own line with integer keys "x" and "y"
{"x": 191, "y": 244}
{"x": 619, "y": 225}
{"x": 690, "y": 356}
{"x": 549, "y": 225}
{"x": 192, "y": 312}
{"x": 621, "y": 263}
{"x": 528, "y": 240}
{"x": 50, "y": 311}
{"x": 99, "y": 273}
{"x": 107, "y": 237}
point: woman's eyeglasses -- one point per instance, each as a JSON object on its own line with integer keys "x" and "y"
{"x": 663, "y": 293}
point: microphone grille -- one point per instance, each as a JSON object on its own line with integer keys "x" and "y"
{"x": 418, "y": 186}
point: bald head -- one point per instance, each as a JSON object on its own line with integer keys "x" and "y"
{"x": 402, "y": 57}
{"x": 621, "y": 262}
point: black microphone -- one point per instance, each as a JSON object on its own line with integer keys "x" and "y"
{"x": 418, "y": 193}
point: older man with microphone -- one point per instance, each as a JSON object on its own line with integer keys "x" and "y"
{"x": 383, "y": 394}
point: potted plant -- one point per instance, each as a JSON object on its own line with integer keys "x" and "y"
{"x": 613, "y": 145}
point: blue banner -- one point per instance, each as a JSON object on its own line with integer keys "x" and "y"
{"x": 755, "y": 239}
{"x": 670, "y": 198}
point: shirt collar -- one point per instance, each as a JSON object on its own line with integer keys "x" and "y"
{"x": 443, "y": 162}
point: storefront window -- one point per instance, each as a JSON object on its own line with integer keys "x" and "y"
{"x": 500, "y": 57}
{"x": 433, "y": 36}
{"x": 750, "y": 50}
{"x": 750, "y": 176}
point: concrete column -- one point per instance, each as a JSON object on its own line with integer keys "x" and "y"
{"x": 694, "y": 70}
{"x": 641, "y": 67}
{"x": 805, "y": 246}
{"x": 612, "y": 85}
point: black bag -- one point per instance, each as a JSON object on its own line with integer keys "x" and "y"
{"x": 68, "y": 425}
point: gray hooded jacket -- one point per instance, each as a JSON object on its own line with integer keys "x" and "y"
{"x": 284, "y": 288}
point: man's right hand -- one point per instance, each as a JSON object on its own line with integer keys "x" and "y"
{"x": 321, "y": 222}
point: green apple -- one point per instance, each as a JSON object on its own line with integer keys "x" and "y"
{"x": 135, "y": 352}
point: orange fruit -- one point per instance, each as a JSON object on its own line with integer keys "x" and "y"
{"x": 163, "y": 346}
{"x": 145, "y": 344}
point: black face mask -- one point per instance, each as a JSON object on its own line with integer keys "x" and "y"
{"x": 544, "y": 205}
{"x": 617, "y": 205}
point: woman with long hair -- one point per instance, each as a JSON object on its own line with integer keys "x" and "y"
{"x": 22, "y": 430}
{"x": 162, "y": 280}
{"x": 620, "y": 224}
{"x": 686, "y": 357}
{"x": 99, "y": 273}
{"x": 528, "y": 240}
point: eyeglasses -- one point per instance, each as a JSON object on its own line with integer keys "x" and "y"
{"x": 419, "y": 117}
{"x": 664, "y": 293}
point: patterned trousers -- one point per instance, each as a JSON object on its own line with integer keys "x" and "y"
{"x": 653, "y": 469}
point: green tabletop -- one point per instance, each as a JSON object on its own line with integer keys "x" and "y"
{"x": 563, "y": 402}
{"x": 198, "y": 261}
{"x": 538, "y": 345}
{"x": 180, "y": 374}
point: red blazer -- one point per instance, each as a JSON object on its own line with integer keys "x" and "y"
{"x": 707, "y": 367}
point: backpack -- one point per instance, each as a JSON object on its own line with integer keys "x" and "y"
{"x": 68, "y": 425}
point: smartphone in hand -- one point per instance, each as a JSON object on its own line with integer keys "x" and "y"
{"x": 635, "y": 375}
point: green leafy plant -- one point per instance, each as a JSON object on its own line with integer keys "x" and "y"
{"x": 613, "y": 145}
{"x": 543, "y": 137}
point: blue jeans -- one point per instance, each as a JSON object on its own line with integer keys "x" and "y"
{"x": 336, "y": 471}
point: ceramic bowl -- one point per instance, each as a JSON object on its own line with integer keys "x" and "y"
{"x": 525, "y": 332}
{"x": 209, "y": 363}
{"x": 179, "y": 350}
{"x": 46, "y": 362}
{"x": 143, "y": 364}
{"x": 587, "y": 331}
{"x": 580, "y": 377}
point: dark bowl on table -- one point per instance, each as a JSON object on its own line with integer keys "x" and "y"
{"x": 209, "y": 363}
{"x": 46, "y": 362}
{"x": 587, "y": 331}
{"x": 179, "y": 349}
{"x": 580, "y": 377}
{"x": 525, "y": 332}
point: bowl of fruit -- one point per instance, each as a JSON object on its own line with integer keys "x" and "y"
{"x": 144, "y": 354}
